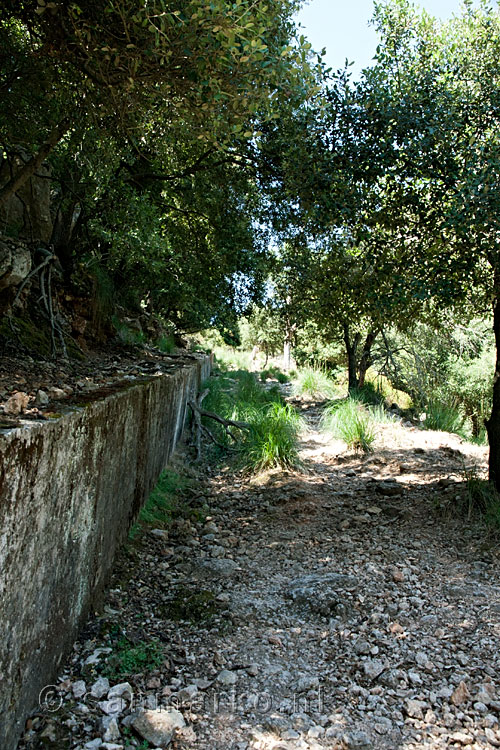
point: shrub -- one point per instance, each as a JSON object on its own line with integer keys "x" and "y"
{"x": 443, "y": 417}
{"x": 315, "y": 383}
{"x": 351, "y": 422}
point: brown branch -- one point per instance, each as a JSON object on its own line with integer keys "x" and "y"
{"x": 32, "y": 165}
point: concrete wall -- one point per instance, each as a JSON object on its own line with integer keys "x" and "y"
{"x": 69, "y": 491}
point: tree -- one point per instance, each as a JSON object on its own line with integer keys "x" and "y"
{"x": 435, "y": 87}
{"x": 149, "y": 114}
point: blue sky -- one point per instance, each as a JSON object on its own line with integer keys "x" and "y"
{"x": 342, "y": 27}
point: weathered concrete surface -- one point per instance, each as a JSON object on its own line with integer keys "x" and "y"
{"x": 69, "y": 491}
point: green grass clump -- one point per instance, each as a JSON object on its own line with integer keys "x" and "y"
{"x": 380, "y": 415}
{"x": 443, "y": 418}
{"x": 350, "y": 421}
{"x": 368, "y": 393}
{"x": 272, "y": 437}
{"x": 315, "y": 383}
{"x": 166, "y": 344}
{"x": 165, "y": 504}
{"x": 481, "y": 498}
{"x": 128, "y": 658}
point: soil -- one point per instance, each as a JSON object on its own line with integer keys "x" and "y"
{"x": 345, "y": 605}
{"x": 34, "y": 389}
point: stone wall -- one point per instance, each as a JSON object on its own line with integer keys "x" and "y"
{"x": 69, "y": 491}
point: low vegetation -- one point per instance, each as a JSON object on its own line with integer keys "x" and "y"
{"x": 349, "y": 420}
{"x": 314, "y": 383}
{"x": 167, "y": 503}
{"x": 273, "y": 426}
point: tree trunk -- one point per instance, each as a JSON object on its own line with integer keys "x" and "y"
{"x": 287, "y": 354}
{"x": 351, "y": 346}
{"x": 493, "y": 423}
{"x": 31, "y": 166}
{"x": 366, "y": 359}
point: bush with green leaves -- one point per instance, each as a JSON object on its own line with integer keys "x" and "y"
{"x": 315, "y": 383}
{"x": 447, "y": 371}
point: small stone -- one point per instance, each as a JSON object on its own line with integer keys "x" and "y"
{"x": 113, "y": 707}
{"x": 56, "y": 394}
{"x": 220, "y": 567}
{"x": 122, "y": 690}
{"x": 188, "y": 693}
{"x": 253, "y": 670}
{"x": 16, "y": 404}
{"x": 362, "y": 647}
{"x": 389, "y": 489}
{"x": 461, "y": 737}
{"x": 357, "y": 741}
{"x": 415, "y": 709}
{"x": 96, "y": 655}
{"x": 398, "y": 576}
{"x": 460, "y": 694}
{"x": 373, "y": 668}
{"x": 79, "y": 689}
{"x": 307, "y": 682}
{"x": 111, "y": 731}
{"x": 160, "y": 533}
{"x": 93, "y": 744}
{"x": 100, "y": 687}
{"x": 226, "y": 677}
{"x": 42, "y": 398}
{"x": 158, "y": 726}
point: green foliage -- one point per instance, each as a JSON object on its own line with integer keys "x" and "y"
{"x": 348, "y": 420}
{"x": 165, "y": 504}
{"x": 443, "y": 417}
{"x": 315, "y": 383}
{"x": 263, "y": 328}
{"x": 447, "y": 371}
{"x": 272, "y": 439}
{"x": 128, "y": 658}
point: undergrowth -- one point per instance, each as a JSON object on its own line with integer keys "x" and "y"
{"x": 315, "y": 383}
{"x": 350, "y": 421}
{"x": 481, "y": 499}
{"x": 166, "y": 503}
{"x": 132, "y": 658}
{"x": 273, "y": 426}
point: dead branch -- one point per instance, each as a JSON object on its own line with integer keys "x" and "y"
{"x": 200, "y": 429}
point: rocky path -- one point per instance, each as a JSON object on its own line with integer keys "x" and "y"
{"x": 337, "y": 607}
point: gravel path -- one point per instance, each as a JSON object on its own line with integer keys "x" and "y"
{"x": 344, "y": 609}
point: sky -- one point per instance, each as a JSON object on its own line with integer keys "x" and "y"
{"x": 342, "y": 27}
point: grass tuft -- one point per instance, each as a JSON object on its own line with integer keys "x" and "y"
{"x": 273, "y": 437}
{"x": 443, "y": 418}
{"x": 315, "y": 383}
{"x": 350, "y": 421}
{"x": 274, "y": 426}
